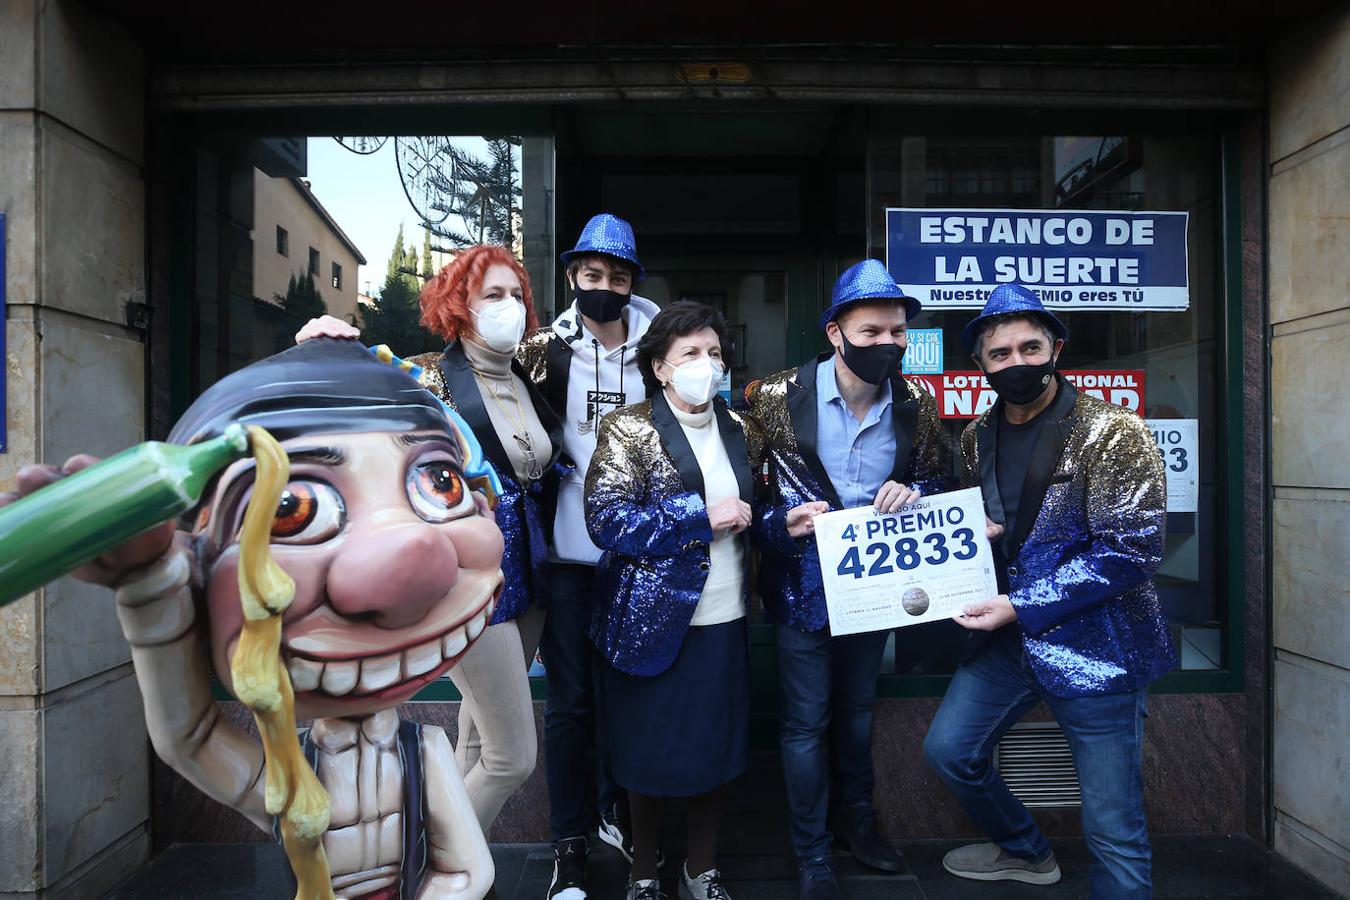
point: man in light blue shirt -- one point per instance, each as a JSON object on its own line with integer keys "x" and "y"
{"x": 843, "y": 430}
{"x": 858, "y": 455}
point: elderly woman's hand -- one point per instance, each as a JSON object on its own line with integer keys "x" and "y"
{"x": 730, "y": 514}
{"x": 801, "y": 520}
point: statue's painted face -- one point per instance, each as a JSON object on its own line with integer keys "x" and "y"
{"x": 396, "y": 566}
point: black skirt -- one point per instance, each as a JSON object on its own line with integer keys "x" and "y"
{"x": 686, "y": 731}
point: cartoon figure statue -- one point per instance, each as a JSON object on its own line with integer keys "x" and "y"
{"x": 384, "y": 527}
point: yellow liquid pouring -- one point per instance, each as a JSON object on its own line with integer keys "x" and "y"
{"x": 262, "y": 683}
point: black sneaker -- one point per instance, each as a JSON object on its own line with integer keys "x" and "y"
{"x": 858, "y": 832}
{"x": 815, "y": 880}
{"x": 569, "y": 870}
{"x": 614, "y": 830}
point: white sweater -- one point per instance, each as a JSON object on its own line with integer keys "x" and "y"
{"x": 722, "y": 599}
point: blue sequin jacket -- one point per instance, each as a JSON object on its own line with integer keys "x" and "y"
{"x": 524, "y": 511}
{"x": 785, "y": 403}
{"x": 646, "y": 510}
{"x": 1088, "y": 539}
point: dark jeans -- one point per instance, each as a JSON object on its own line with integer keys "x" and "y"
{"x": 828, "y": 687}
{"x": 574, "y": 761}
{"x": 1106, "y": 734}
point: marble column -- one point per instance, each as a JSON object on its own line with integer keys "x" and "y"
{"x": 1309, "y": 243}
{"x": 73, "y": 752}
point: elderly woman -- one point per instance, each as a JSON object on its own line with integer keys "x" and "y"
{"x": 481, "y": 305}
{"x": 668, "y": 499}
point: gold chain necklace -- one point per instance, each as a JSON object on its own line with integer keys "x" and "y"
{"x": 519, "y": 426}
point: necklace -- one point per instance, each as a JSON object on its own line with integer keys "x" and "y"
{"x": 515, "y": 418}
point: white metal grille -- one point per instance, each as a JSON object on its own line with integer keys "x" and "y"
{"x": 1035, "y": 761}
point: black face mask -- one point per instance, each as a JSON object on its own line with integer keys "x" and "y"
{"x": 1020, "y": 385}
{"x": 600, "y": 305}
{"x": 872, "y": 364}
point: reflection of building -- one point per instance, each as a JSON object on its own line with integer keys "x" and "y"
{"x": 294, "y": 234}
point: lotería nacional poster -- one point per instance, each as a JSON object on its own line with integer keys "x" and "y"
{"x": 965, "y": 395}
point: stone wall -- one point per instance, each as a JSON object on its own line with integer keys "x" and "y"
{"x": 73, "y": 751}
{"x": 1309, "y": 302}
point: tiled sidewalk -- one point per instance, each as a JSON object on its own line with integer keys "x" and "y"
{"x": 1184, "y": 867}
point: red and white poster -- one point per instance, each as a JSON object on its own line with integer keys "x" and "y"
{"x": 965, "y": 395}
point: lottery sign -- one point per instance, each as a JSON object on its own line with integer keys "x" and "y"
{"x": 1179, "y": 443}
{"x": 924, "y": 354}
{"x": 965, "y": 395}
{"x": 921, "y": 563}
{"x": 1073, "y": 259}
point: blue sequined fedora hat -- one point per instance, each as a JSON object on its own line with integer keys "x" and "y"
{"x": 610, "y": 235}
{"x": 1010, "y": 298}
{"x": 867, "y": 280}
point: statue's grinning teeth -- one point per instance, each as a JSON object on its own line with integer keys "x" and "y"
{"x": 366, "y": 676}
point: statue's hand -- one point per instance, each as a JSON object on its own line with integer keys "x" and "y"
{"x": 111, "y": 567}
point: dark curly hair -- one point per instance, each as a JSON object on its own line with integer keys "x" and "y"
{"x": 675, "y": 321}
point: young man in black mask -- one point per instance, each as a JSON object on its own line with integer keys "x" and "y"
{"x": 586, "y": 365}
{"x": 843, "y": 430}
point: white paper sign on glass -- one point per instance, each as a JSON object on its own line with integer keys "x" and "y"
{"x": 1179, "y": 443}
{"x": 920, "y": 564}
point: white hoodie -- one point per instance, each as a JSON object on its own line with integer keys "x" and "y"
{"x": 598, "y": 382}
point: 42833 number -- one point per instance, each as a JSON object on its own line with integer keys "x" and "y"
{"x": 908, "y": 553}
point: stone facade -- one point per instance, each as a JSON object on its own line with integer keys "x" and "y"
{"x": 1309, "y": 303}
{"x": 74, "y": 766}
{"x": 73, "y": 753}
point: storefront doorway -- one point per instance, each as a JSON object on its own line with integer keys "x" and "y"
{"x": 756, "y": 209}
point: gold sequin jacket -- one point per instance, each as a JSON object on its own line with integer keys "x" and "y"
{"x": 546, "y": 360}
{"x": 646, "y": 510}
{"x": 789, "y": 574}
{"x": 524, "y": 511}
{"x": 1089, "y": 537}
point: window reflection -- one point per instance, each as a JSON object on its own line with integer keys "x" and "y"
{"x": 1175, "y": 350}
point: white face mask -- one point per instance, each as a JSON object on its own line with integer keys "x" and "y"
{"x": 696, "y": 382}
{"x": 501, "y": 324}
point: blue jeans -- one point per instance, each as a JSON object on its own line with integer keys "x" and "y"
{"x": 828, "y": 686}
{"x": 575, "y": 763}
{"x": 1106, "y": 734}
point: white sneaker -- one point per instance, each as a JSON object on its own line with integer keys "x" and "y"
{"x": 645, "y": 889}
{"x": 708, "y": 886}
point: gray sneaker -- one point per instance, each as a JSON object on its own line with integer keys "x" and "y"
{"x": 990, "y": 862}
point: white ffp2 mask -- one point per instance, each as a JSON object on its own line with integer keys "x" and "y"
{"x": 696, "y": 382}
{"x": 501, "y": 324}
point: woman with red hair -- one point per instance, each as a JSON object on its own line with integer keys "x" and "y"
{"x": 481, "y": 305}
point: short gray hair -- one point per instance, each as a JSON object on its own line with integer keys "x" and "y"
{"x": 993, "y": 322}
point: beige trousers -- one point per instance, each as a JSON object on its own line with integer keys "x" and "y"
{"x": 497, "y": 745}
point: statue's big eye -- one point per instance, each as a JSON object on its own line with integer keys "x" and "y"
{"x": 437, "y": 491}
{"x": 309, "y": 512}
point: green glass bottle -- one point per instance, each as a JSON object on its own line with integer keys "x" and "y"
{"x": 69, "y": 522}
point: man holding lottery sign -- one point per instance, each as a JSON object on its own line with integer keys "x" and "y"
{"x": 1080, "y": 491}
{"x": 925, "y": 562}
{"x": 843, "y": 431}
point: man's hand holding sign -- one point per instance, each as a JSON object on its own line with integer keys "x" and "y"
{"x": 920, "y": 562}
